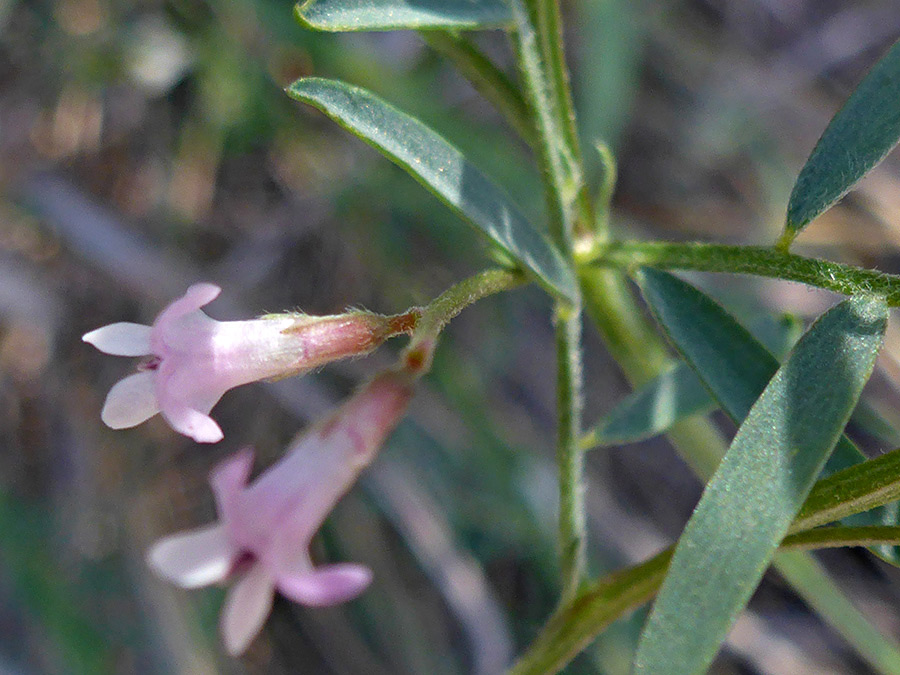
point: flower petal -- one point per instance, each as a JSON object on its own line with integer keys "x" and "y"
{"x": 195, "y": 558}
{"x": 228, "y": 479}
{"x": 248, "y": 604}
{"x": 192, "y": 423}
{"x": 131, "y": 401}
{"x": 121, "y": 339}
{"x": 194, "y": 298}
{"x": 327, "y": 585}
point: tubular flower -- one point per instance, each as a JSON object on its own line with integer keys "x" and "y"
{"x": 264, "y": 529}
{"x": 193, "y": 359}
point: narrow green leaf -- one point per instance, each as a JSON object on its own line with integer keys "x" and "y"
{"x": 379, "y": 15}
{"x": 749, "y": 503}
{"x": 857, "y": 138}
{"x": 442, "y": 169}
{"x": 734, "y": 366}
{"x": 675, "y": 395}
{"x": 851, "y": 491}
{"x": 651, "y": 410}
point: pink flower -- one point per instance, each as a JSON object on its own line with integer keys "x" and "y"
{"x": 264, "y": 529}
{"x": 193, "y": 359}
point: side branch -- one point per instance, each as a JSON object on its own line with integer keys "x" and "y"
{"x": 756, "y": 260}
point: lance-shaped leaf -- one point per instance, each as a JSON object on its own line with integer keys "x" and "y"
{"x": 676, "y": 394}
{"x": 856, "y": 139}
{"x": 873, "y": 483}
{"x": 377, "y": 15}
{"x": 442, "y": 169}
{"x": 735, "y": 367}
{"x": 672, "y": 396}
{"x": 760, "y": 485}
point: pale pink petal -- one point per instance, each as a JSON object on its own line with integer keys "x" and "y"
{"x": 192, "y": 423}
{"x": 247, "y": 605}
{"x": 327, "y": 585}
{"x": 194, "y": 298}
{"x": 131, "y": 401}
{"x": 229, "y": 479}
{"x": 195, "y": 558}
{"x": 121, "y": 339}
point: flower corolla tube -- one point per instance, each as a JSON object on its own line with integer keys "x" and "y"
{"x": 192, "y": 359}
{"x": 261, "y": 539}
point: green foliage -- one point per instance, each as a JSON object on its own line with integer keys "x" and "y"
{"x": 760, "y": 485}
{"x": 850, "y": 492}
{"x": 733, "y": 364}
{"x": 857, "y": 489}
{"x": 575, "y": 625}
{"x": 673, "y": 396}
{"x": 377, "y": 15}
{"x": 857, "y": 138}
{"x": 758, "y": 260}
{"x": 442, "y": 169}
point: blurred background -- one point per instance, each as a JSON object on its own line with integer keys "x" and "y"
{"x": 147, "y": 144}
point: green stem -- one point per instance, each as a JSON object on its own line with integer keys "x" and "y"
{"x": 840, "y": 537}
{"x": 438, "y": 313}
{"x": 560, "y": 168}
{"x": 756, "y": 260}
{"x": 488, "y": 79}
{"x": 553, "y": 155}
{"x": 569, "y": 458}
{"x": 550, "y": 31}
{"x": 577, "y": 623}
{"x": 548, "y": 17}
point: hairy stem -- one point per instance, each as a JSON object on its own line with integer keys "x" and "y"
{"x": 561, "y": 172}
{"x": 438, "y": 313}
{"x": 756, "y": 260}
{"x": 551, "y": 150}
{"x": 569, "y": 458}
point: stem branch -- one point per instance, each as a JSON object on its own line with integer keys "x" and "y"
{"x": 756, "y": 260}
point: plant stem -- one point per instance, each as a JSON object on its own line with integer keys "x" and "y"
{"x": 561, "y": 171}
{"x": 840, "y": 537}
{"x": 569, "y": 458}
{"x": 553, "y": 155}
{"x": 757, "y": 260}
{"x": 550, "y": 31}
{"x": 488, "y": 79}
{"x": 577, "y": 623}
{"x": 438, "y": 313}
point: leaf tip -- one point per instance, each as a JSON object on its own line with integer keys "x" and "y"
{"x": 301, "y": 14}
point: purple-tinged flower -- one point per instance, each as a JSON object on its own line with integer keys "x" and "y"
{"x": 193, "y": 359}
{"x": 264, "y": 529}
